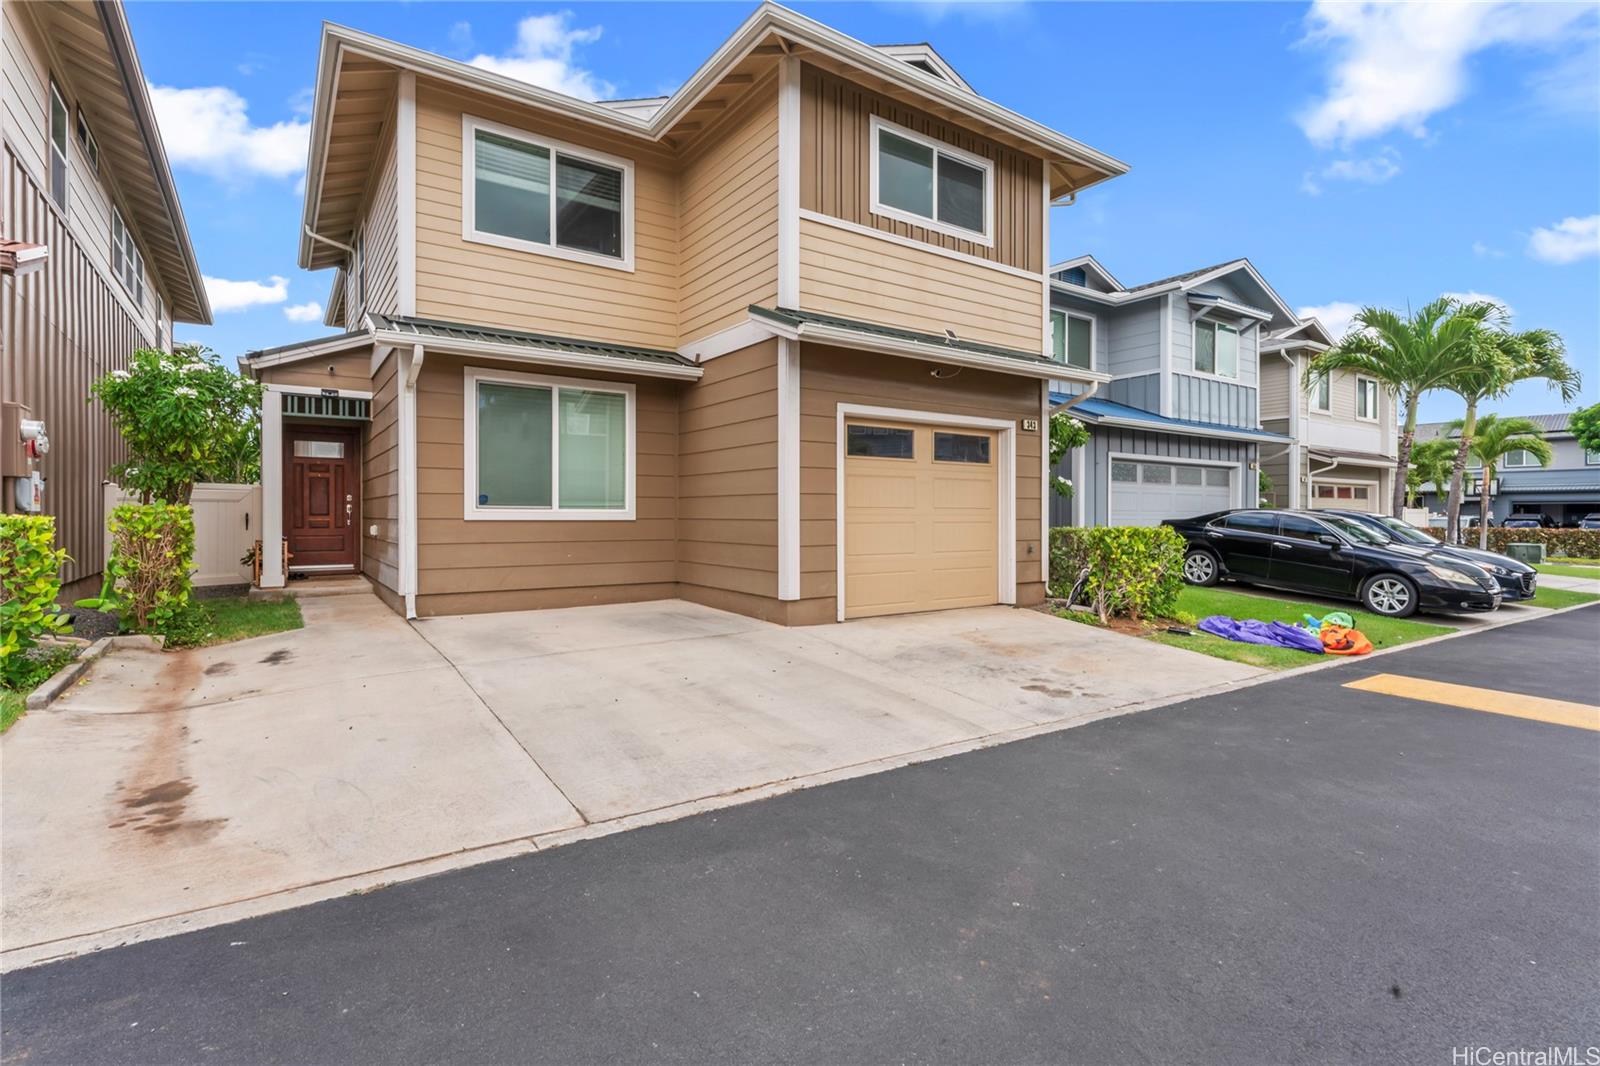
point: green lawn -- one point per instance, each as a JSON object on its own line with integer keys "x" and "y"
{"x": 11, "y": 708}
{"x": 230, "y": 618}
{"x": 1200, "y": 602}
{"x": 1555, "y": 598}
{"x": 1568, "y": 570}
{"x": 1573, "y": 560}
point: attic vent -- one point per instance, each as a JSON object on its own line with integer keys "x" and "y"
{"x": 925, "y": 66}
{"x": 1074, "y": 276}
{"x": 344, "y": 408}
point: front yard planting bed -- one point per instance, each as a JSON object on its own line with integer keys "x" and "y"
{"x": 230, "y": 618}
{"x": 1198, "y": 603}
{"x": 1558, "y": 598}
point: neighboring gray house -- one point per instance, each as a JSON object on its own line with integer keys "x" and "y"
{"x": 1177, "y": 429}
{"x": 1566, "y": 490}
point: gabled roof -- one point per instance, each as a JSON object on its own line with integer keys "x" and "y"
{"x": 1556, "y": 424}
{"x": 1095, "y": 410}
{"x": 1090, "y": 263}
{"x": 349, "y": 55}
{"x": 115, "y": 99}
{"x": 1308, "y": 333}
{"x": 922, "y": 56}
{"x": 1188, "y": 282}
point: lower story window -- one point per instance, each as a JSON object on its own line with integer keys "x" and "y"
{"x": 548, "y": 447}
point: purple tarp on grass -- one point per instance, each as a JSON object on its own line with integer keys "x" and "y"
{"x": 1252, "y": 631}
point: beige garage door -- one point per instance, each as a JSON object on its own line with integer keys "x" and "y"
{"x": 921, "y": 518}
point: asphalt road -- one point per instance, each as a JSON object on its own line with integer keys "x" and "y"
{"x": 1292, "y": 872}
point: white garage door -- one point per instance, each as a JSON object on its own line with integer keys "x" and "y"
{"x": 1350, "y": 496}
{"x": 1144, "y": 493}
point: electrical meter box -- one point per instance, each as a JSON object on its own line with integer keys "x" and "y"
{"x": 15, "y": 457}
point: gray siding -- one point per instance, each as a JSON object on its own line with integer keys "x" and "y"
{"x": 1143, "y": 392}
{"x": 1209, "y": 399}
{"x": 1103, "y": 443}
{"x": 1133, "y": 337}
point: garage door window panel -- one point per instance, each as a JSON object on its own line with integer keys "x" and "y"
{"x": 960, "y": 448}
{"x": 880, "y": 442}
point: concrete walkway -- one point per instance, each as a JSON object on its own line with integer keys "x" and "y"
{"x": 174, "y": 791}
{"x": 1573, "y": 584}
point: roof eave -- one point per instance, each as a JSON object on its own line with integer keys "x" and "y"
{"x": 524, "y": 353}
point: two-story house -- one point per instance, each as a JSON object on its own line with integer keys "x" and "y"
{"x": 1564, "y": 492}
{"x": 1344, "y": 427}
{"x": 775, "y": 343}
{"x": 104, "y": 262}
{"x": 1175, "y": 429}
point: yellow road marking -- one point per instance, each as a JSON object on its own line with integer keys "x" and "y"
{"x": 1515, "y": 704}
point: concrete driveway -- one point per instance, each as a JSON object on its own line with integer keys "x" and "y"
{"x": 171, "y": 791}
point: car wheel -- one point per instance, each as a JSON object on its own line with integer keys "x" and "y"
{"x": 1200, "y": 567}
{"x": 1390, "y": 595}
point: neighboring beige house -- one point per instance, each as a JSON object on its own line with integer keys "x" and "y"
{"x": 1343, "y": 425}
{"x": 102, "y": 259}
{"x": 776, "y": 343}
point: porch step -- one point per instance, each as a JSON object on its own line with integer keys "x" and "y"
{"x": 312, "y": 588}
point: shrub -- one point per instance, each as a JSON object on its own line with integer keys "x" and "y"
{"x": 147, "y": 576}
{"x": 1575, "y": 543}
{"x": 1132, "y": 571}
{"x": 185, "y": 418}
{"x": 30, "y": 580}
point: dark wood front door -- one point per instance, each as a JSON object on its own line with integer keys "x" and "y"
{"x": 322, "y": 496}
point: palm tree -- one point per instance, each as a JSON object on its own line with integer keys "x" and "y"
{"x": 1507, "y": 358}
{"x": 1430, "y": 463}
{"x": 1411, "y": 356}
{"x": 1496, "y": 438}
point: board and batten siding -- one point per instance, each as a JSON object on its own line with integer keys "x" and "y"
{"x": 830, "y": 376}
{"x": 1104, "y": 442}
{"x": 62, "y": 327}
{"x": 1202, "y": 398}
{"x": 857, "y": 276}
{"x": 380, "y": 485}
{"x": 728, "y": 483}
{"x": 468, "y": 567}
{"x": 836, "y": 175}
{"x": 465, "y": 281}
{"x": 728, "y": 219}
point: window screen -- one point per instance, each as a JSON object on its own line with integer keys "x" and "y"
{"x": 594, "y": 455}
{"x": 588, "y": 206}
{"x": 514, "y": 449}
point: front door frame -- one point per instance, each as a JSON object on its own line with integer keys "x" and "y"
{"x": 352, "y": 433}
{"x": 1006, "y": 523}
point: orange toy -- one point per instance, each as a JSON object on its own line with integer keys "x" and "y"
{"x": 1338, "y": 640}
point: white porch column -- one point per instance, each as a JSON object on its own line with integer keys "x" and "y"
{"x": 272, "y": 576}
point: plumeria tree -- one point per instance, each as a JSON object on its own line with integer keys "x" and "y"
{"x": 185, "y": 418}
{"x": 1066, "y": 433}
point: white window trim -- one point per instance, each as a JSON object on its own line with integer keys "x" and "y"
{"x": 1194, "y": 349}
{"x": 472, "y": 375}
{"x": 1094, "y": 337}
{"x": 1311, "y": 395}
{"x": 1377, "y": 401}
{"x": 119, "y": 222}
{"x": 881, "y": 209}
{"x": 1506, "y": 463}
{"x": 56, "y": 97}
{"x": 88, "y": 143}
{"x": 469, "y": 232}
{"x": 1591, "y": 458}
{"x": 1006, "y": 504}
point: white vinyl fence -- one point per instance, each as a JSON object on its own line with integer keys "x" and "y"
{"x": 227, "y": 520}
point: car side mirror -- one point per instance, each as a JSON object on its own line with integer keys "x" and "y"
{"x": 1329, "y": 539}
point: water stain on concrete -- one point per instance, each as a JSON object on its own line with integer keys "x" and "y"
{"x": 221, "y": 669}
{"x": 153, "y": 802}
{"x": 282, "y": 655}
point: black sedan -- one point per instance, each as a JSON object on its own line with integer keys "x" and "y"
{"x": 1328, "y": 555}
{"x": 1518, "y": 580}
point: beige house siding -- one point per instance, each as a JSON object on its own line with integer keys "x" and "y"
{"x": 1275, "y": 464}
{"x": 1275, "y": 375}
{"x": 858, "y": 276}
{"x": 728, "y": 477}
{"x": 835, "y": 170}
{"x": 728, "y": 219}
{"x": 380, "y": 484}
{"x": 831, "y": 376}
{"x": 350, "y": 371}
{"x": 466, "y": 281}
{"x": 381, "y": 238}
{"x": 468, "y": 567}
{"x": 61, "y": 328}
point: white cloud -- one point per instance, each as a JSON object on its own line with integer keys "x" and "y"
{"x": 306, "y": 312}
{"x": 208, "y": 129}
{"x": 1567, "y": 241}
{"x": 238, "y": 295}
{"x": 542, "y": 56}
{"x": 1371, "y": 170}
{"x": 1483, "y": 251}
{"x": 1397, "y": 64}
{"x": 1335, "y": 317}
{"x": 1471, "y": 297}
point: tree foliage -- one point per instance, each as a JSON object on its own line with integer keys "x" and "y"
{"x": 185, "y": 418}
{"x": 1585, "y": 425}
{"x": 30, "y": 578}
{"x": 1431, "y": 462}
{"x": 1496, "y": 438}
{"x": 1066, "y": 433}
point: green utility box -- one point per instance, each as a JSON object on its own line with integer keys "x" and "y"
{"x": 1526, "y": 553}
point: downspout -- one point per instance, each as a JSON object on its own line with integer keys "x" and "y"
{"x": 1296, "y": 397}
{"x": 1079, "y": 461}
{"x": 314, "y": 235}
{"x": 411, "y": 369}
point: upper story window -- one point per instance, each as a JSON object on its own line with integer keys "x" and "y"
{"x": 86, "y": 141}
{"x": 1591, "y": 458}
{"x": 931, "y": 184}
{"x": 534, "y": 194}
{"x": 58, "y": 147}
{"x": 1321, "y": 393}
{"x": 126, "y": 262}
{"x": 1367, "y": 399}
{"x": 1520, "y": 457}
{"x": 1216, "y": 349}
{"x": 1072, "y": 339}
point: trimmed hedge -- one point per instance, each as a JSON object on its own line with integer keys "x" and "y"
{"x": 30, "y": 580}
{"x": 1577, "y": 543}
{"x": 152, "y": 557}
{"x": 1133, "y": 571}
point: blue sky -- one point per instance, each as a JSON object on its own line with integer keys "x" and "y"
{"x": 1356, "y": 153}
